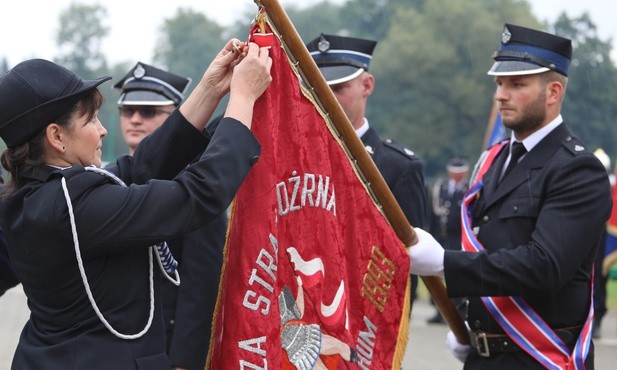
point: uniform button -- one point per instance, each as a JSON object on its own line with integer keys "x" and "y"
{"x": 515, "y": 209}
{"x": 485, "y": 218}
{"x": 254, "y": 160}
{"x": 477, "y": 324}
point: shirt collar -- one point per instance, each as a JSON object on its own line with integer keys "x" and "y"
{"x": 532, "y": 140}
{"x": 362, "y": 129}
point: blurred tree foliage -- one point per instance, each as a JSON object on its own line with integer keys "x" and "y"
{"x": 187, "y": 44}
{"x": 591, "y": 99}
{"x": 432, "y": 92}
{"x": 79, "y": 38}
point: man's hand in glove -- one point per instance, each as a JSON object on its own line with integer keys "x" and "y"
{"x": 426, "y": 256}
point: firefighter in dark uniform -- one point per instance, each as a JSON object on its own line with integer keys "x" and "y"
{"x": 446, "y": 199}
{"x": 148, "y": 95}
{"x": 539, "y": 223}
{"x": 80, "y": 237}
{"x": 344, "y": 63}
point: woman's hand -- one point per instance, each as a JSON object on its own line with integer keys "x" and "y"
{"x": 217, "y": 77}
{"x": 214, "y": 84}
{"x": 250, "y": 78}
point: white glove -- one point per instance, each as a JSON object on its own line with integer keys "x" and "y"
{"x": 426, "y": 256}
{"x": 460, "y": 351}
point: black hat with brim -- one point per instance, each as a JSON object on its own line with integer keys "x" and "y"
{"x": 148, "y": 85}
{"x": 525, "y": 51}
{"x": 35, "y": 93}
{"x": 340, "y": 58}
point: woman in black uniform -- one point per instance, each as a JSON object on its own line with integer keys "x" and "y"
{"x": 80, "y": 238}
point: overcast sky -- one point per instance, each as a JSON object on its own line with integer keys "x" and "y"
{"x": 28, "y": 28}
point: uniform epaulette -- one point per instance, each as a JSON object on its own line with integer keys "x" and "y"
{"x": 574, "y": 145}
{"x": 399, "y": 148}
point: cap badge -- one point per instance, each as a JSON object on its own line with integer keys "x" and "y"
{"x": 506, "y": 36}
{"x": 139, "y": 71}
{"x": 323, "y": 45}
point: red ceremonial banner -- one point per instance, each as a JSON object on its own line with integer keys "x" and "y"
{"x": 314, "y": 276}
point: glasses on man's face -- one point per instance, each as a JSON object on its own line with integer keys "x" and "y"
{"x": 144, "y": 112}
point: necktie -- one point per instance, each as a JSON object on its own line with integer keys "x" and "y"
{"x": 516, "y": 152}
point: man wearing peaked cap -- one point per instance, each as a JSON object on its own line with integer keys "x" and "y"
{"x": 535, "y": 222}
{"x": 344, "y": 62}
{"x": 148, "y": 96}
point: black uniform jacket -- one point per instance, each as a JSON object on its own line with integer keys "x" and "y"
{"x": 188, "y": 309}
{"x": 541, "y": 227}
{"x": 115, "y": 225}
{"x": 403, "y": 172}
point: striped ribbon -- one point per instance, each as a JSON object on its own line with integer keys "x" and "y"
{"x": 518, "y": 320}
{"x": 167, "y": 259}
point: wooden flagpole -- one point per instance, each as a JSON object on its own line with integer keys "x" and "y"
{"x": 279, "y": 19}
